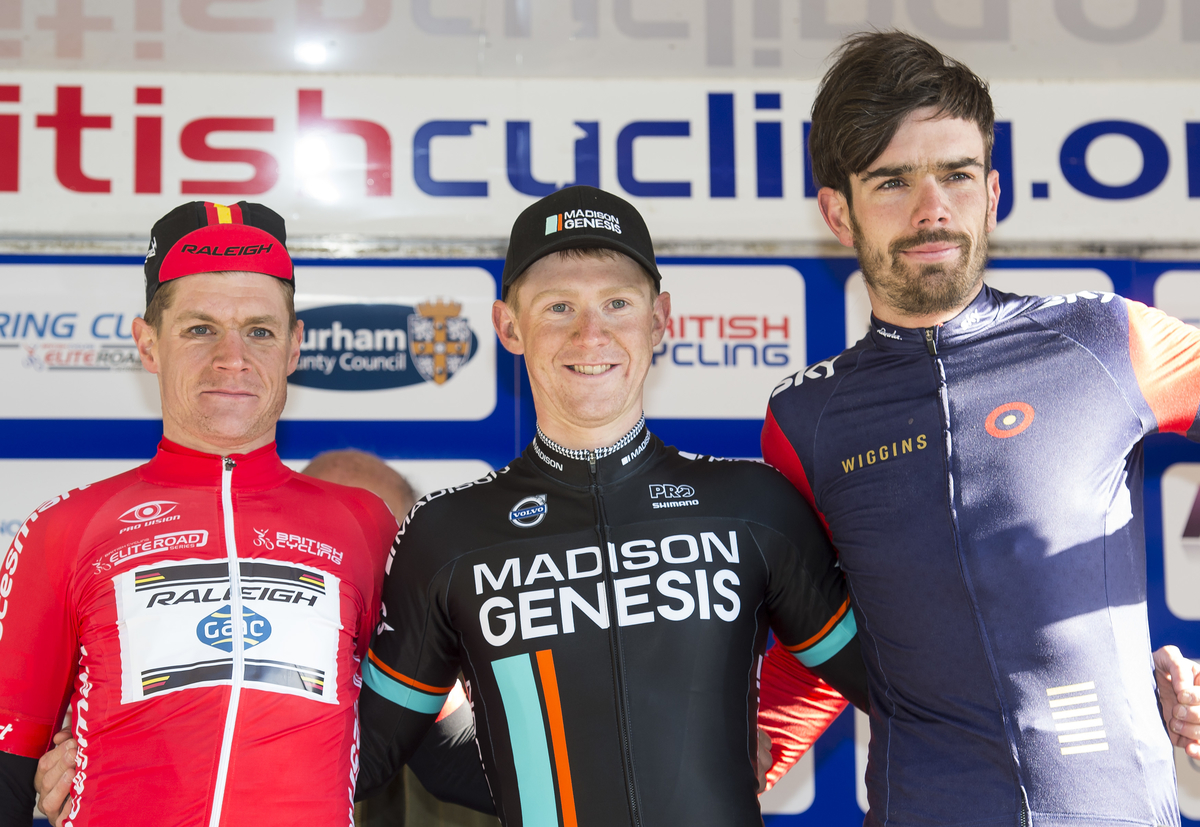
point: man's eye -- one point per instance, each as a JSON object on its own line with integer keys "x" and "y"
{"x": 619, "y": 303}
{"x": 891, "y": 184}
{"x": 558, "y": 308}
{"x": 200, "y": 330}
{"x": 261, "y": 333}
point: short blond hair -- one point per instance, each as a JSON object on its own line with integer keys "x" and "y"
{"x": 602, "y": 253}
{"x": 161, "y": 302}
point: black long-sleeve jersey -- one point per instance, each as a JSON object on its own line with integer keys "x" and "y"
{"x": 609, "y": 610}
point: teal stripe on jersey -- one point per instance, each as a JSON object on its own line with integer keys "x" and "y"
{"x": 527, "y": 733}
{"x": 398, "y": 693}
{"x": 832, "y": 643}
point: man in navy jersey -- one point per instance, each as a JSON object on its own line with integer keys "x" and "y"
{"x": 977, "y": 459}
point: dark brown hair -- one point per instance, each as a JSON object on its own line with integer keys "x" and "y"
{"x": 166, "y": 291}
{"x": 876, "y": 81}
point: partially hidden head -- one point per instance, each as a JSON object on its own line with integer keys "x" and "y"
{"x": 360, "y": 469}
{"x": 581, "y": 302}
{"x": 901, "y": 143}
{"x": 220, "y": 328}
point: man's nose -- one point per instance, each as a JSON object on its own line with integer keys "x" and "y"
{"x": 590, "y": 327}
{"x": 230, "y": 352}
{"x": 932, "y": 208}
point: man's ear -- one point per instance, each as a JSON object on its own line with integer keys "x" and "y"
{"x": 993, "y": 191}
{"x": 294, "y": 340}
{"x": 835, "y": 209}
{"x": 505, "y": 323}
{"x": 146, "y": 339}
{"x": 662, "y": 312}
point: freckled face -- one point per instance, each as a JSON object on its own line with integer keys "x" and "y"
{"x": 587, "y": 328}
{"x": 222, "y": 356}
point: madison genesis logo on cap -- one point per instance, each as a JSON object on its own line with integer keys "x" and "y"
{"x": 582, "y": 219}
{"x": 578, "y": 217}
{"x": 203, "y": 237}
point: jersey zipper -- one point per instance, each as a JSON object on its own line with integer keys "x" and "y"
{"x": 614, "y": 639}
{"x": 236, "y": 625}
{"x": 948, "y": 447}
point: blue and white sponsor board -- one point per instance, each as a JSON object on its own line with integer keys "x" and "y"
{"x": 454, "y": 158}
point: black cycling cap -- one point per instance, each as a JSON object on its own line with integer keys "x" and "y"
{"x": 204, "y": 237}
{"x": 577, "y": 217}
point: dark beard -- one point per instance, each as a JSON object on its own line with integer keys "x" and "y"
{"x": 928, "y": 289}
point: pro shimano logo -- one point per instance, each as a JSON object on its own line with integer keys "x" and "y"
{"x": 671, "y": 492}
{"x": 676, "y": 496}
{"x": 528, "y": 512}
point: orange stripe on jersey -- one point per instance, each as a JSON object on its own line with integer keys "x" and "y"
{"x": 1166, "y": 361}
{"x": 558, "y": 736}
{"x": 405, "y": 679}
{"x": 829, "y": 624}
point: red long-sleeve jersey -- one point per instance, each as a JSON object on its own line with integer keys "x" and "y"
{"x": 121, "y": 597}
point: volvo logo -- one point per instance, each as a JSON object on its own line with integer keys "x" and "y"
{"x": 528, "y": 512}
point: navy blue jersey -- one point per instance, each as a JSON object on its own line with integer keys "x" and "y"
{"x": 982, "y": 482}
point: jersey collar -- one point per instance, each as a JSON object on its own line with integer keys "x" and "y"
{"x": 985, "y": 310}
{"x": 177, "y": 465}
{"x": 601, "y": 465}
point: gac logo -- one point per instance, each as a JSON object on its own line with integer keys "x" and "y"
{"x": 148, "y": 511}
{"x": 671, "y": 492}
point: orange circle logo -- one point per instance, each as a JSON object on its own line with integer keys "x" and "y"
{"x": 1009, "y": 419}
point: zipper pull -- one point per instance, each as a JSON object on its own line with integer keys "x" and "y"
{"x": 592, "y": 461}
{"x": 930, "y": 343}
{"x": 229, "y": 463}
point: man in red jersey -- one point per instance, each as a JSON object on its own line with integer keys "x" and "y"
{"x": 204, "y": 613}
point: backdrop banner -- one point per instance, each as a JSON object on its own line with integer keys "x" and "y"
{"x": 103, "y": 154}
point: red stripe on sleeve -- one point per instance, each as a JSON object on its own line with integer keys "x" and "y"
{"x": 210, "y": 210}
{"x": 794, "y": 708}
{"x": 1166, "y": 361}
{"x": 778, "y": 452}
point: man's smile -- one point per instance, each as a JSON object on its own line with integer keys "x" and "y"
{"x": 591, "y": 370}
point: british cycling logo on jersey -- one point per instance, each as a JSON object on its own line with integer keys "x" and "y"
{"x": 216, "y": 630}
{"x": 149, "y": 513}
{"x": 360, "y": 347}
{"x": 528, "y": 512}
{"x": 1009, "y": 419}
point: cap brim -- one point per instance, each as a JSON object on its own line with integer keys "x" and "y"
{"x": 220, "y": 247}
{"x": 582, "y": 240}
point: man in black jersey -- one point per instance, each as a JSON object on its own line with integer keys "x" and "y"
{"x": 606, "y": 597}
